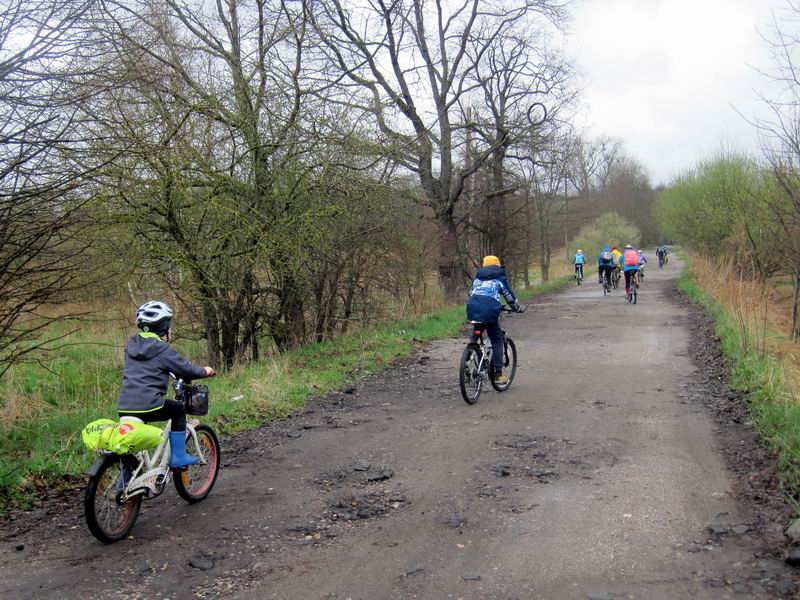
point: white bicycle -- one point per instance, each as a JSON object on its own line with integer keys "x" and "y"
{"x": 118, "y": 483}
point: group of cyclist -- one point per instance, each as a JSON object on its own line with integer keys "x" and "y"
{"x": 150, "y": 359}
{"x": 611, "y": 261}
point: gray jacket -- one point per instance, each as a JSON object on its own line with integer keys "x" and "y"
{"x": 145, "y": 379}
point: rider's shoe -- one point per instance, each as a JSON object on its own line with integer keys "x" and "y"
{"x": 178, "y": 458}
{"x": 501, "y": 379}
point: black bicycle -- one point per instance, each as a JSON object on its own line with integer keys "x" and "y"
{"x": 477, "y": 366}
{"x": 578, "y": 273}
{"x": 615, "y": 276}
{"x": 633, "y": 290}
{"x": 606, "y": 285}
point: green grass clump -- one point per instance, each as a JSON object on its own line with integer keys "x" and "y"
{"x": 773, "y": 407}
{"x": 44, "y": 406}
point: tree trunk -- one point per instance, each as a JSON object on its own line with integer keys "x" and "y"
{"x": 451, "y": 268}
{"x": 212, "y": 334}
{"x": 796, "y": 309}
{"x": 544, "y": 259}
{"x": 229, "y": 336}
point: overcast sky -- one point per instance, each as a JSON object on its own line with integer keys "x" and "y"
{"x": 665, "y": 75}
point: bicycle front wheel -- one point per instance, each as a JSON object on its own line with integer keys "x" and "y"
{"x": 510, "y": 366}
{"x": 470, "y": 379}
{"x": 195, "y": 483}
{"x": 109, "y": 519}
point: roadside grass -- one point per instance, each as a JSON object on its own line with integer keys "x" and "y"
{"x": 760, "y": 365}
{"x": 44, "y": 406}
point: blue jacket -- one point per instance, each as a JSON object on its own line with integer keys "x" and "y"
{"x": 605, "y": 262}
{"x": 579, "y": 259}
{"x": 484, "y": 297}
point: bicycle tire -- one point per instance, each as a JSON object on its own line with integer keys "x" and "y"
{"x": 510, "y": 366}
{"x": 635, "y": 294}
{"x": 108, "y": 475}
{"x": 204, "y": 474}
{"x": 467, "y": 375}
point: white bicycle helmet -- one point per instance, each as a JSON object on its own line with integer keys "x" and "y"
{"x": 153, "y": 313}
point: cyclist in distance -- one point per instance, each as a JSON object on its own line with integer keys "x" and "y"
{"x": 642, "y": 263}
{"x": 579, "y": 261}
{"x": 617, "y": 254}
{"x": 661, "y": 253}
{"x": 629, "y": 263}
{"x": 605, "y": 264}
{"x": 484, "y": 306}
{"x": 149, "y": 360}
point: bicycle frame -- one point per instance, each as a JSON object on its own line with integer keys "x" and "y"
{"x": 486, "y": 351}
{"x": 151, "y": 472}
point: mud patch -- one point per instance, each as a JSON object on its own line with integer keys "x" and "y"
{"x": 370, "y": 505}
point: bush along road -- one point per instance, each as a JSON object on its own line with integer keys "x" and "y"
{"x": 618, "y": 465}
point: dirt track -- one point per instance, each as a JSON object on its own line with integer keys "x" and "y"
{"x": 597, "y": 475}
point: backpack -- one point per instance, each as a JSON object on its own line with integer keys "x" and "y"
{"x": 631, "y": 258}
{"x": 606, "y": 257}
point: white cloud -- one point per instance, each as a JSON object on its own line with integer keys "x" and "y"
{"x": 665, "y": 75}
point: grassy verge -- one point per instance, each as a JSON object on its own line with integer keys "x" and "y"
{"x": 46, "y": 405}
{"x": 759, "y": 373}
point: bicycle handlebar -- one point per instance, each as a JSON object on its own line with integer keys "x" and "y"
{"x": 508, "y": 309}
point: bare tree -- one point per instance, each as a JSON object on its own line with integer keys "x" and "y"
{"x": 546, "y": 172}
{"x": 780, "y": 141}
{"x": 523, "y": 88}
{"x": 204, "y": 120}
{"x": 43, "y": 170}
{"x": 415, "y": 60}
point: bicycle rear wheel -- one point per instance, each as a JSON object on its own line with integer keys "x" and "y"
{"x": 109, "y": 519}
{"x": 195, "y": 483}
{"x": 510, "y": 366}
{"x": 470, "y": 379}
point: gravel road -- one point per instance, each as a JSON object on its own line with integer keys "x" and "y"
{"x": 612, "y": 468}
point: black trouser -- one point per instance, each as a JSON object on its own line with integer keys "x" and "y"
{"x": 579, "y": 267}
{"x": 628, "y": 277}
{"x": 495, "y": 333}
{"x": 605, "y": 270}
{"x": 171, "y": 411}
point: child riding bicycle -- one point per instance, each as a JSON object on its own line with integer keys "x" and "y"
{"x": 149, "y": 361}
{"x": 579, "y": 261}
{"x": 484, "y": 307}
{"x": 605, "y": 265}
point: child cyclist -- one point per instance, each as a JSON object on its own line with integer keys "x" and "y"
{"x": 149, "y": 360}
{"x": 579, "y": 261}
{"x": 642, "y": 263}
{"x": 605, "y": 265}
{"x": 484, "y": 307}
{"x": 629, "y": 261}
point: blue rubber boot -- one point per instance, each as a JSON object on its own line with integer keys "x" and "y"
{"x": 178, "y": 458}
{"x": 124, "y": 478}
